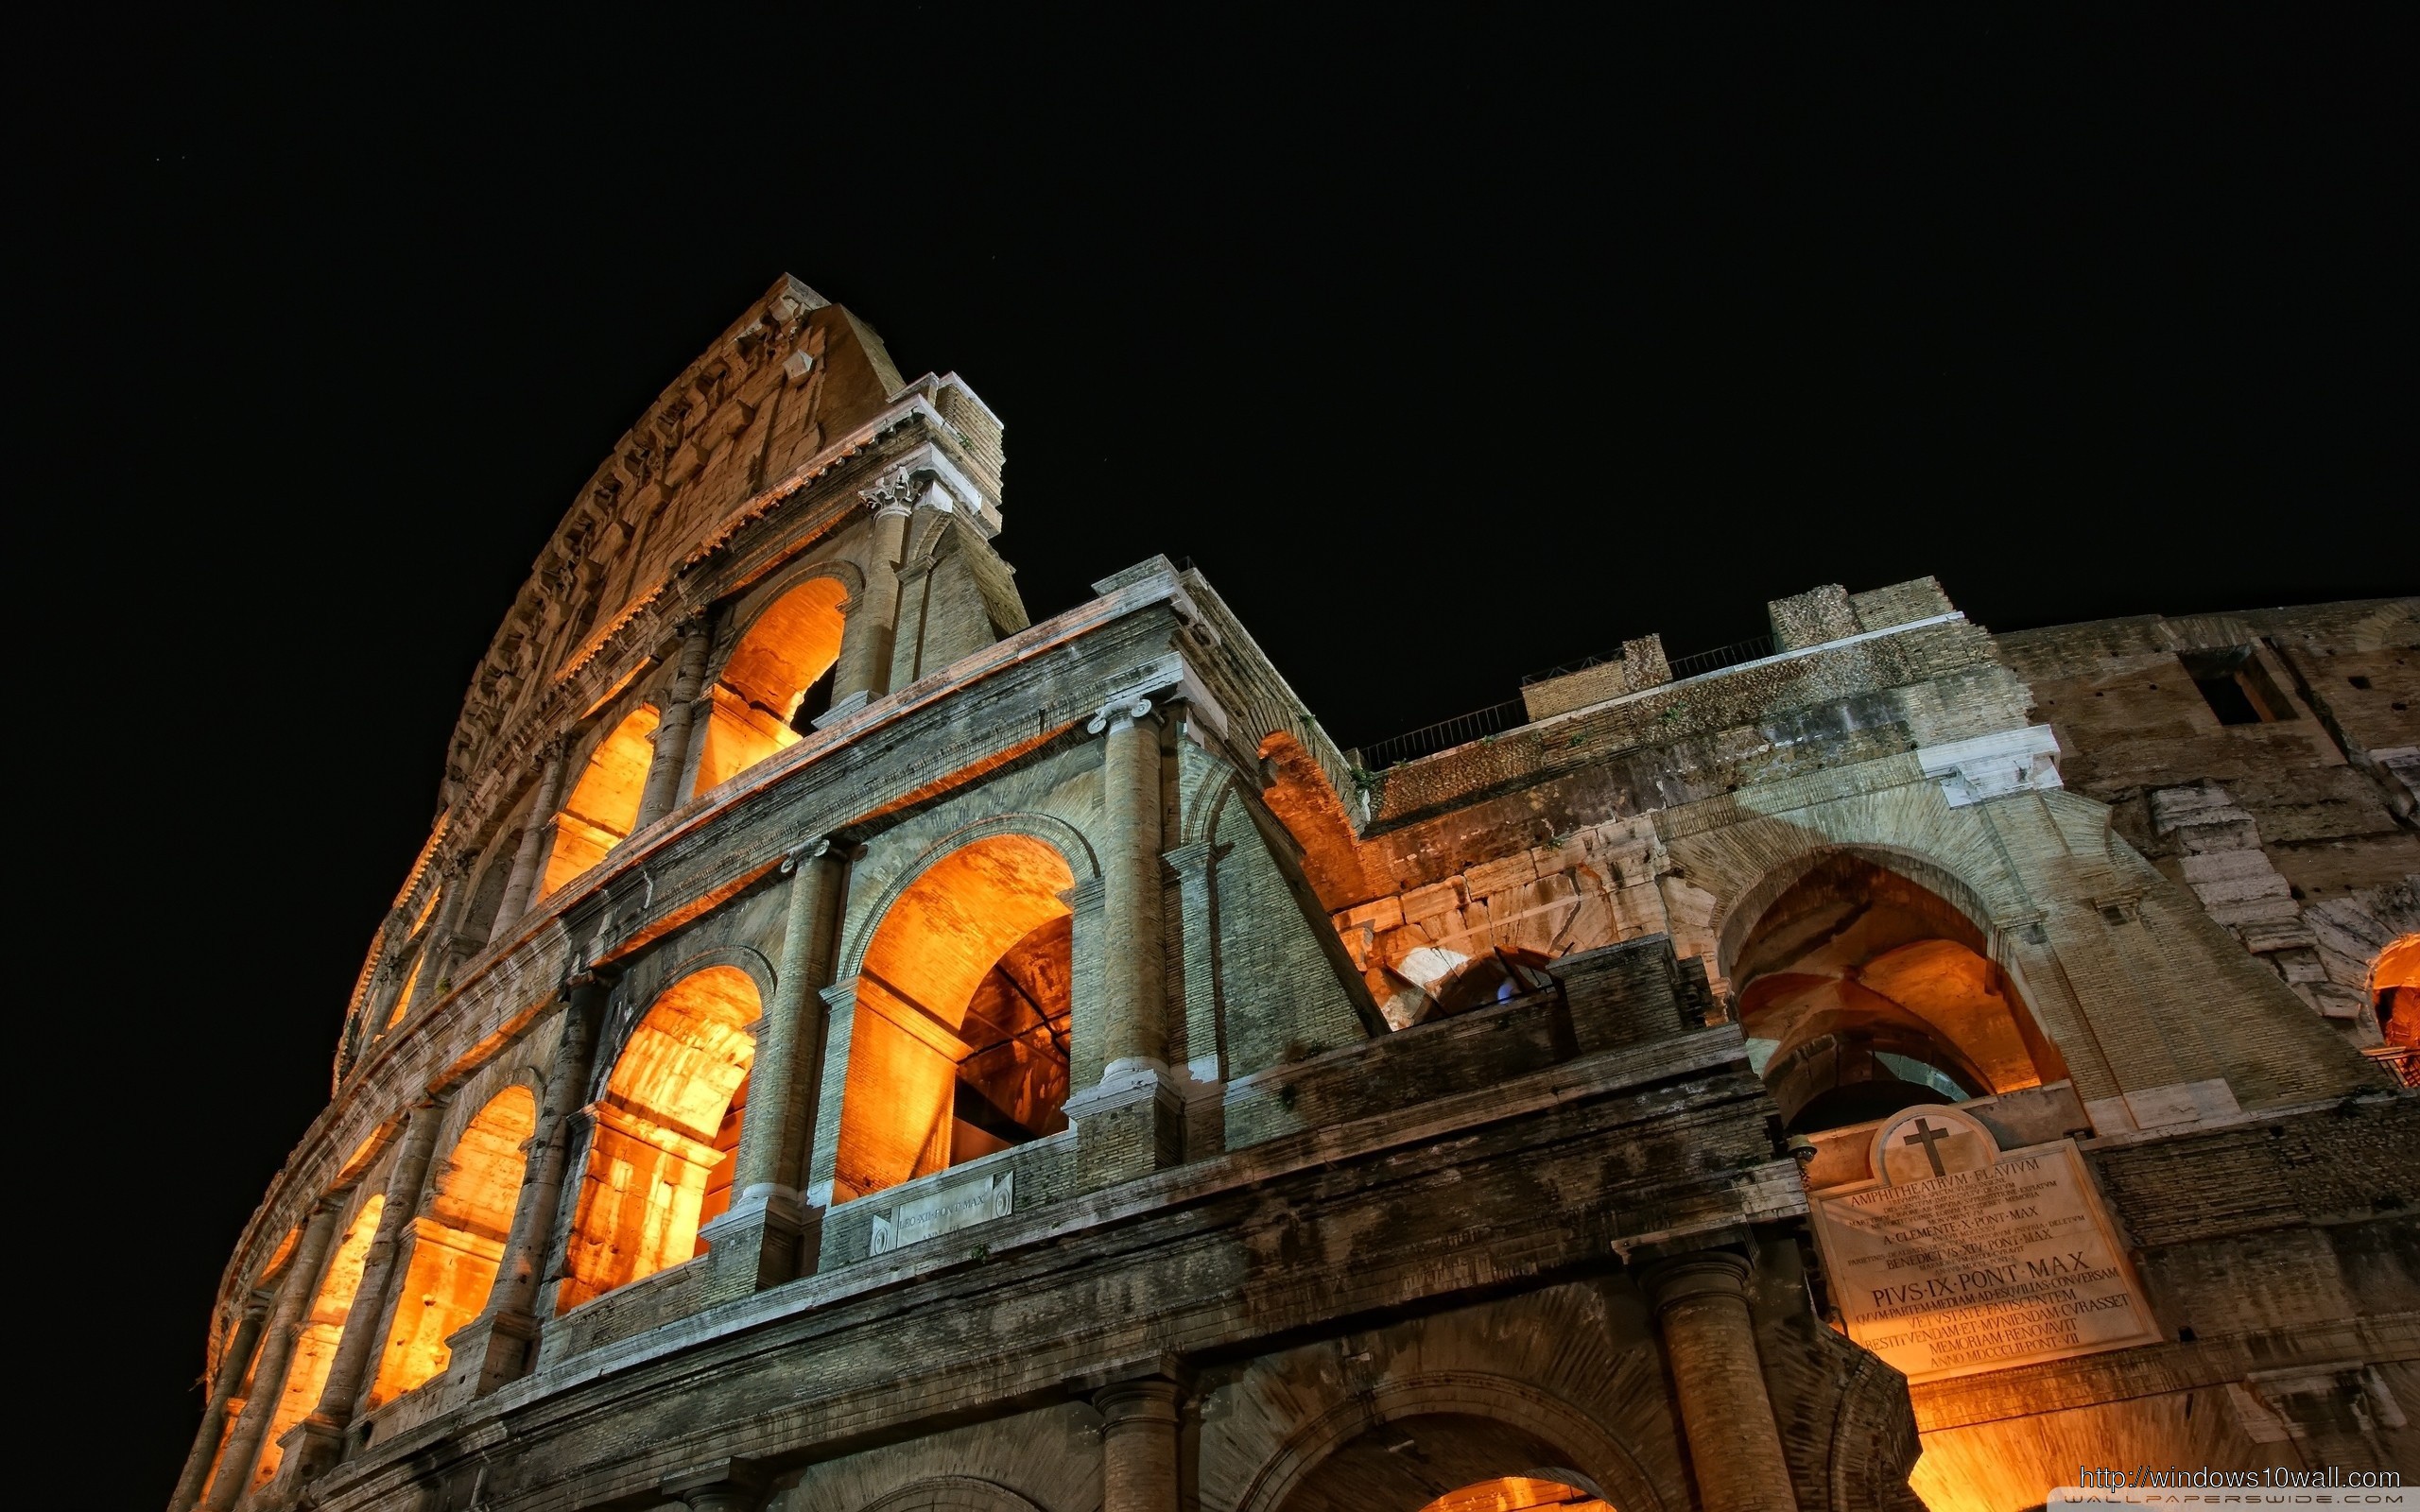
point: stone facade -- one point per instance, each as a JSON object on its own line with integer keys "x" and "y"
{"x": 845, "y": 1046}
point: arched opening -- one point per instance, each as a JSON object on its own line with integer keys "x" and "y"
{"x": 1297, "y": 792}
{"x": 402, "y": 1001}
{"x": 959, "y": 1043}
{"x": 457, "y": 1243}
{"x": 1863, "y": 992}
{"x": 1444, "y": 1462}
{"x": 604, "y": 806}
{"x": 2394, "y": 991}
{"x": 1519, "y": 1493}
{"x": 777, "y": 680}
{"x": 315, "y": 1347}
{"x": 667, "y": 1132}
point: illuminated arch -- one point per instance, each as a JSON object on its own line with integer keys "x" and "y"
{"x": 2394, "y": 991}
{"x": 776, "y": 681}
{"x": 315, "y": 1347}
{"x": 959, "y": 1046}
{"x": 458, "y": 1243}
{"x": 1297, "y": 792}
{"x": 1388, "y": 1449}
{"x": 1862, "y": 991}
{"x": 604, "y": 805}
{"x": 403, "y": 1000}
{"x": 667, "y": 1134}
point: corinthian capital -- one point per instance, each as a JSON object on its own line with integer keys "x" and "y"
{"x": 895, "y": 492}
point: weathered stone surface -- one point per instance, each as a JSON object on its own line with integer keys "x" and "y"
{"x": 1214, "y": 1123}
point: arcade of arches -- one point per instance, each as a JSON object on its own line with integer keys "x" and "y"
{"x": 315, "y": 1348}
{"x": 1863, "y": 992}
{"x": 774, "y": 684}
{"x": 777, "y": 679}
{"x": 604, "y": 806}
{"x": 668, "y": 1129}
{"x": 457, "y": 1243}
{"x": 960, "y": 1045}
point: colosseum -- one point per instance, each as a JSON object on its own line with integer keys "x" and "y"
{"x": 845, "y": 1046}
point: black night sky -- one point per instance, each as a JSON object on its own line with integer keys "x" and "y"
{"x": 1449, "y": 345}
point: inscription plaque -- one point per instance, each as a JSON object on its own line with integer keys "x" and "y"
{"x": 956, "y": 1205}
{"x": 1962, "y": 1257}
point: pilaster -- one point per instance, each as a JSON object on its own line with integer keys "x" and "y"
{"x": 233, "y": 1364}
{"x": 673, "y": 733}
{"x": 530, "y": 854}
{"x": 872, "y": 623}
{"x": 761, "y": 1241}
{"x": 499, "y": 1345}
{"x": 318, "y": 1441}
{"x": 277, "y": 1336}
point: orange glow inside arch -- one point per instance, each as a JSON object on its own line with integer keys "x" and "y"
{"x": 665, "y": 1130}
{"x": 960, "y": 1043}
{"x": 1863, "y": 992}
{"x": 457, "y": 1243}
{"x": 2394, "y": 986}
{"x": 315, "y": 1348}
{"x": 766, "y": 684}
{"x": 604, "y": 806}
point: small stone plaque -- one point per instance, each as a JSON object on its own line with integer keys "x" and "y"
{"x": 1963, "y": 1258}
{"x": 953, "y": 1205}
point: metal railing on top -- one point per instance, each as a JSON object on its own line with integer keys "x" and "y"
{"x": 1496, "y": 718}
{"x": 1713, "y": 661}
{"x": 1443, "y": 735}
{"x": 1698, "y": 663}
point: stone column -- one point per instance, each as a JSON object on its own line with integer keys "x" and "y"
{"x": 662, "y": 794}
{"x": 531, "y": 851}
{"x": 1133, "y": 1036}
{"x": 874, "y": 623}
{"x": 1138, "y": 1468}
{"x": 437, "y": 948}
{"x": 318, "y": 1441}
{"x": 732, "y": 1484}
{"x": 494, "y": 1347}
{"x": 277, "y": 1336}
{"x": 1132, "y": 1122}
{"x": 756, "y": 1244}
{"x": 232, "y": 1366}
{"x": 1702, "y": 1305}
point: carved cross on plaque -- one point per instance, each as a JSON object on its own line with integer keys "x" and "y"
{"x": 1925, "y": 1137}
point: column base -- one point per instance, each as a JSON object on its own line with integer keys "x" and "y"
{"x": 1129, "y": 1126}
{"x": 489, "y": 1351}
{"x": 309, "y": 1450}
{"x": 758, "y": 1244}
